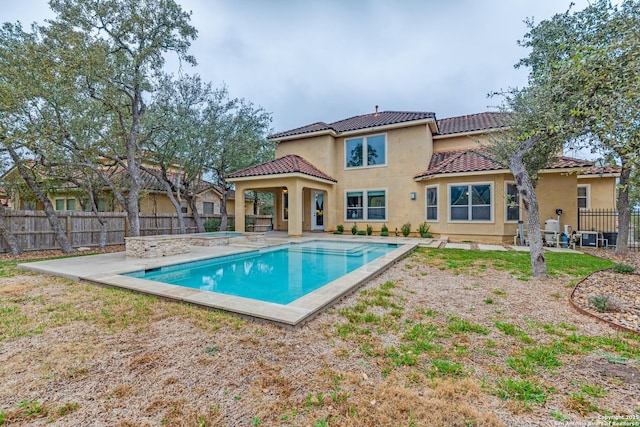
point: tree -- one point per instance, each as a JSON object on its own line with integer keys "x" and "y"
{"x": 117, "y": 49}
{"x": 235, "y": 136}
{"x": 178, "y": 147}
{"x": 25, "y": 111}
{"x": 532, "y": 142}
{"x": 593, "y": 58}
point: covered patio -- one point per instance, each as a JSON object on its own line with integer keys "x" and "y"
{"x": 303, "y": 194}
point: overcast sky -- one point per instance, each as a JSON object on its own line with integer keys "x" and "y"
{"x": 307, "y": 61}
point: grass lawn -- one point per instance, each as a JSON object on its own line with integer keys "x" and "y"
{"x": 445, "y": 337}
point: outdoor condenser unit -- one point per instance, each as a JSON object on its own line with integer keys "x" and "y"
{"x": 589, "y": 238}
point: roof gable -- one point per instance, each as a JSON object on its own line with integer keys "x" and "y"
{"x": 366, "y": 121}
{"x": 473, "y": 123}
{"x": 291, "y": 163}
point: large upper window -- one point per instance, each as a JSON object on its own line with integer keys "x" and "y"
{"x": 512, "y": 201}
{"x": 367, "y": 205}
{"x": 366, "y": 151}
{"x": 470, "y": 202}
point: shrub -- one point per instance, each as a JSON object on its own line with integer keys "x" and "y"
{"x": 624, "y": 268}
{"x": 361, "y": 233}
{"x": 602, "y": 303}
{"x": 369, "y": 230}
{"x": 406, "y": 229}
{"x": 354, "y": 229}
{"x": 212, "y": 224}
{"x": 340, "y": 228}
{"x": 423, "y": 229}
{"x": 384, "y": 231}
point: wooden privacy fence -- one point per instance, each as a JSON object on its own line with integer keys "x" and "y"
{"x": 33, "y": 231}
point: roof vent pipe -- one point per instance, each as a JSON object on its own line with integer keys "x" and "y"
{"x": 376, "y": 110}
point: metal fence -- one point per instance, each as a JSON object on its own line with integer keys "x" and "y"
{"x": 605, "y": 223}
{"x": 33, "y": 231}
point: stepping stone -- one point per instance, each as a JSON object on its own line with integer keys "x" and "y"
{"x": 458, "y": 246}
{"x": 491, "y": 247}
{"x": 520, "y": 248}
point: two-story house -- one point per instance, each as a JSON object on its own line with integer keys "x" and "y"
{"x": 391, "y": 168}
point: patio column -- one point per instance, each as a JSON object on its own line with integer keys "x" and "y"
{"x": 295, "y": 209}
{"x": 239, "y": 208}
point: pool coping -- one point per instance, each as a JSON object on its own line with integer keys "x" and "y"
{"x": 109, "y": 267}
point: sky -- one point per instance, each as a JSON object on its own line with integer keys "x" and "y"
{"x": 306, "y": 61}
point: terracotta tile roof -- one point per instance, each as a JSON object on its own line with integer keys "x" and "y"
{"x": 570, "y": 162}
{"x": 365, "y": 121}
{"x": 473, "y": 122}
{"x": 479, "y": 160}
{"x": 604, "y": 170}
{"x": 288, "y": 164}
{"x": 458, "y": 161}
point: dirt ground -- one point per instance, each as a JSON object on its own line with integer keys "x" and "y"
{"x": 76, "y": 354}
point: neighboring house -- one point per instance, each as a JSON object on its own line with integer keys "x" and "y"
{"x": 408, "y": 167}
{"x": 153, "y": 197}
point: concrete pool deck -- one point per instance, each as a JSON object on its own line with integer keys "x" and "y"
{"x": 106, "y": 269}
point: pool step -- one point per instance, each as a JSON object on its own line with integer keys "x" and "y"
{"x": 355, "y": 250}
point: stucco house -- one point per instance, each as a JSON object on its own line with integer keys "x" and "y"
{"x": 67, "y": 197}
{"x": 392, "y": 167}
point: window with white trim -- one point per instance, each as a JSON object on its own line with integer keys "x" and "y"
{"x": 366, "y": 205}
{"x": 512, "y": 202}
{"x": 583, "y": 197}
{"x": 432, "y": 203}
{"x": 366, "y": 151}
{"x": 470, "y": 202}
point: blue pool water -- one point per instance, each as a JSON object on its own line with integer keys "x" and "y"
{"x": 278, "y": 274}
{"x": 220, "y": 234}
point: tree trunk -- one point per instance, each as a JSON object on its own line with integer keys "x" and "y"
{"x": 255, "y": 203}
{"x": 54, "y": 221}
{"x": 11, "y": 240}
{"x": 530, "y": 204}
{"x": 191, "y": 201}
{"x": 223, "y": 210}
{"x": 624, "y": 211}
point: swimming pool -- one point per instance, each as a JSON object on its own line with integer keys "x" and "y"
{"x": 220, "y": 234}
{"x": 280, "y": 274}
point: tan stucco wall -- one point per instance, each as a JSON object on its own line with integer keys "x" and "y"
{"x": 319, "y": 151}
{"x": 494, "y": 230}
{"x": 408, "y": 152}
{"x": 602, "y": 192}
{"x": 458, "y": 142}
{"x": 558, "y": 191}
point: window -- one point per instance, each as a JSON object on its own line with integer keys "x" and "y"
{"x": 583, "y": 196}
{"x": 183, "y": 207}
{"x": 367, "y": 205}
{"x": 367, "y": 151}
{"x": 285, "y": 204}
{"x": 65, "y": 204}
{"x": 432, "y": 203}
{"x": 29, "y": 205}
{"x": 470, "y": 202}
{"x": 207, "y": 208}
{"x": 355, "y": 207}
{"x": 102, "y": 204}
{"x": 512, "y": 201}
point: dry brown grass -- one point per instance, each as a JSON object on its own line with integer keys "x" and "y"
{"x": 97, "y": 356}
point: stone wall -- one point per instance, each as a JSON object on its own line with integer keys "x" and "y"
{"x": 156, "y": 246}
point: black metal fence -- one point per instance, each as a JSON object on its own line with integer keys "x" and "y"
{"x": 605, "y": 223}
